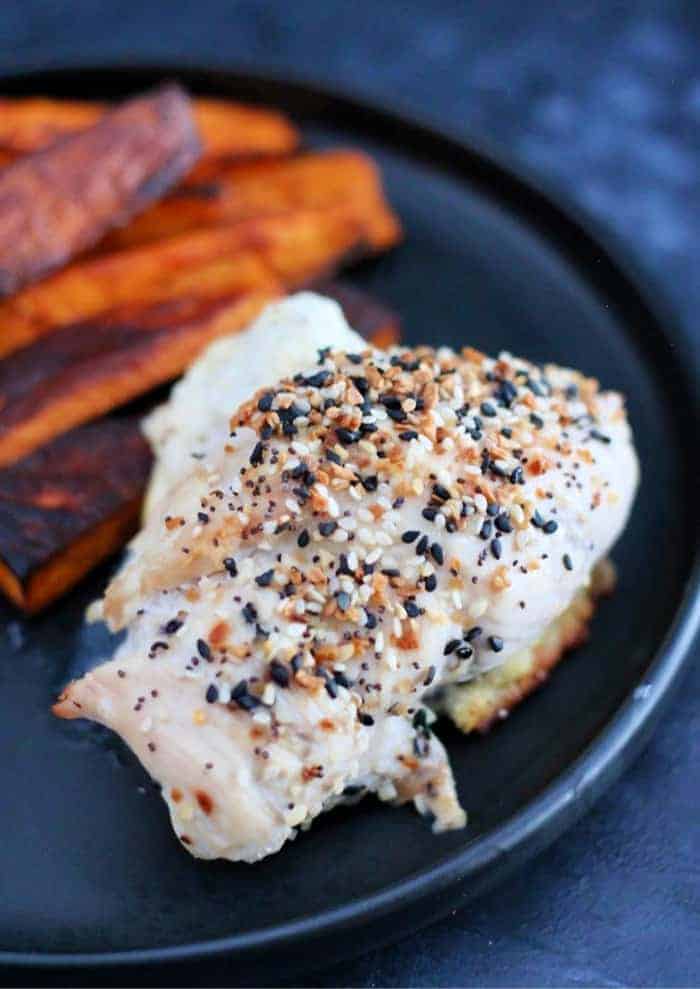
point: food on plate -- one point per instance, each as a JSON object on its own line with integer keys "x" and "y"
{"x": 367, "y": 534}
{"x": 84, "y": 370}
{"x": 68, "y": 506}
{"x": 228, "y": 130}
{"x": 76, "y": 500}
{"x": 297, "y": 247}
{"x": 251, "y": 189}
{"x": 59, "y": 202}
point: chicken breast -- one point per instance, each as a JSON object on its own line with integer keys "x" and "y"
{"x": 364, "y": 533}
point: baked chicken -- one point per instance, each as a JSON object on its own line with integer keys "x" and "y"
{"x": 366, "y": 534}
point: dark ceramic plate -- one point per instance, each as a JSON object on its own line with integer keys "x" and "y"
{"x": 89, "y": 871}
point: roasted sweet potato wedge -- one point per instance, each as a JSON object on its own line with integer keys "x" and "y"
{"x": 297, "y": 247}
{"x": 254, "y": 189}
{"x": 86, "y": 369}
{"x": 228, "y": 130}
{"x": 67, "y": 507}
{"x": 74, "y": 502}
{"x": 59, "y": 202}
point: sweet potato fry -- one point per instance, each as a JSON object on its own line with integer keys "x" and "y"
{"x": 86, "y": 369}
{"x": 61, "y": 201}
{"x": 228, "y": 130}
{"x": 74, "y": 502}
{"x": 254, "y": 189}
{"x": 296, "y": 247}
{"x": 67, "y": 507}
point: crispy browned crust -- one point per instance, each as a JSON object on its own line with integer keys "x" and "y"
{"x": 229, "y": 130}
{"x": 474, "y": 709}
{"x": 69, "y": 506}
{"x": 311, "y": 181}
{"x": 59, "y": 202}
{"x": 75, "y": 501}
{"x": 296, "y": 247}
{"x": 85, "y": 370}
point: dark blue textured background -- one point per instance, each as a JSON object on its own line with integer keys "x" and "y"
{"x": 603, "y": 99}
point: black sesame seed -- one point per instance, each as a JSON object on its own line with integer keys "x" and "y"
{"x": 391, "y": 572}
{"x": 408, "y": 434}
{"x": 203, "y": 517}
{"x": 486, "y": 529}
{"x": 343, "y": 599}
{"x": 365, "y": 719}
{"x": 212, "y": 694}
{"x": 303, "y": 538}
{"x": 503, "y": 523}
{"x": 429, "y": 514}
{"x": 537, "y": 520}
{"x": 517, "y": 476}
{"x": 341, "y": 679}
{"x": 279, "y": 673}
{"x": 601, "y": 437}
{"x": 496, "y": 548}
{"x": 331, "y": 688}
{"x": 230, "y": 565}
{"x": 487, "y": 410}
{"x": 172, "y": 626}
{"x": 492, "y": 510}
{"x": 537, "y": 421}
{"x": 265, "y": 579}
{"x": 410, "y": 536}
{"x": 398, "y": 415}
{"x": 371, "y": 620}
{"x": 496, "y": 643}
{"x": 250, "y": 613}
{"x": 437, "y": 554}
{"x": 429, "y": 676}
{"x": 347, "y": 436}
{"x": 265, "y": 403}
{"x": 247, "y": 702}
{"x": 550, "y": 527}
{"x": 256, "y": 457}
{"x": 507, "y": 432}
{"x": 473, "y": 633}
{"x": 333, "y": 457}
{"x": 422, "y": 546}
{"x": 411, "y": 609}
{"x": 296, "y": 662}
{"x": 566, "y": 560}
{"x": 319, "y": 379}
{"x": 431, "y": 582}
{"x": 370, "y": 483}
{"x": 450, "y": 647}
{"x": 465, "y": 652}
{"x": 203, "y": 649}
{"x": 327, "y": 528}
{"x": 441, "y": 492}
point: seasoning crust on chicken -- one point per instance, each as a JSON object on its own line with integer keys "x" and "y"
{"x": 372, "y": 530}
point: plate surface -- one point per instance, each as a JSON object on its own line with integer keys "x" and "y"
{"x": 89, "y": 871}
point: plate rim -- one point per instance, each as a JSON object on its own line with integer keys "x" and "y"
{"x": 574, "y": 791}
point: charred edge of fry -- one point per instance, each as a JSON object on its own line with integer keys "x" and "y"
{"x": 68, "y": 506}
{"x": 59, "y": 202}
